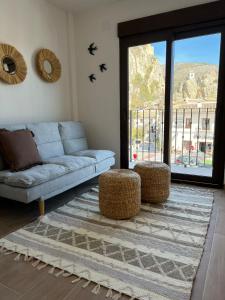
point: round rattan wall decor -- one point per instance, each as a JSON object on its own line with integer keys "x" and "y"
{"x": 13, "y": 67}
{"x": 48, "y": 65}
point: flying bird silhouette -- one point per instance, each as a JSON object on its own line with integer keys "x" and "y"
{"x": 92, "y": 77}
{"x": 103, "y": 67}
{"x": 92, "y": 48}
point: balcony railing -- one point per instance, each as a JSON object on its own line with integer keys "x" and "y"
{"x": 192, "y": 136}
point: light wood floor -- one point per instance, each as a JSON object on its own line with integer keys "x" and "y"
{"x": 19, "y": 280}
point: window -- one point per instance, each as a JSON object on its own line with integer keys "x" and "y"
{"x": 173, "y": 65}
{"x": 205, "y": 124}
{"x": 205, "y": 147}
{"x": 188, "y": 123}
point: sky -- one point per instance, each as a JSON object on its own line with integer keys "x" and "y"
{"x": 201, "y": 49}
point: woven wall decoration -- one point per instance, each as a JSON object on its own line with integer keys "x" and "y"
{"x": 13, "y": 69}
{"x": 48, "y": 65}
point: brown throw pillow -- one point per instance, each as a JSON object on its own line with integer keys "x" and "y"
{"x": 18, "y": 149}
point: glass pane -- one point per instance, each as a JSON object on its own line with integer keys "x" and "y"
{"x": 196, "y": 68}
{"x": 146, "y": 102}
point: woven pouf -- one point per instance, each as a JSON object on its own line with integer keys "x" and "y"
{"x": 119, "y": 194}
{"x": 155, "y": 181}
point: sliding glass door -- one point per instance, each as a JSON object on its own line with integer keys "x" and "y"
{"x": 194, "y": 103}
{"x": 146, "y": 102}
{"x": 171, "y": 108}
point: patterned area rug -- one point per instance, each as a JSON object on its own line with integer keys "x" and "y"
{"x": 152, "y": 256}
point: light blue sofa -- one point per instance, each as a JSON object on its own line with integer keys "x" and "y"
{"x": 67, "y": 161}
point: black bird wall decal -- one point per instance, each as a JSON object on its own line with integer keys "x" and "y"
{"x": 92, "y": 77}
{"x": 103, "y": 67}
{"x": 92, "y": 48}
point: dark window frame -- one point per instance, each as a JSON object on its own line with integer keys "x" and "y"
{"x": 179, "y": 24}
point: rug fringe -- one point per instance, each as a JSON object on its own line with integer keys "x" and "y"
{"x": 51, "y": 271}
{"x": 96, "y": 289}
{"x": 4, "y": 251}
{"x": 17, "y": 258}
{"x": 76, "y": 280}
{"x": 59, "y": 273}
{"x": 39, "y": 264}
{"x": 8, "y": 252}
{"x": 26, "y": 257}
{"x": 109, "y": 294}
{"x": 42, "y": 267}
{"x": 66, "y": 274}
{"x": 86, "y": 284}
{"x": 36, "y": 263}
{"x": 117, "y": 296}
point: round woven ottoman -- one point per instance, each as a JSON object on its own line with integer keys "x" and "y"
{"x": 155, "y": 181}
{"x": 119, "y": 194}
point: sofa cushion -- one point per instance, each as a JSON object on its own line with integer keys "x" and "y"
{"x": 47, "y": 189}
{"x": 73, "y": 137}
{"x": 99, "y": 155}
{"x": 104, "y": 165}
{"x": 72, "y": 163}
{"x": 11, "y": 128}
{"x": 33, "y": 176}
{"x": 18, "y": 149}
{"x": 47, "y": 138}
{"x": 4, "y": 174}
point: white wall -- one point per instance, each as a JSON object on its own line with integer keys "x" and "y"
{"x": 98, "y": 103}
{"x": 30, "y": 25}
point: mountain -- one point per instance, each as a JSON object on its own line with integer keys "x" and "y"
{"x": 193, "y": 82}
{"x": 146, "y": 77}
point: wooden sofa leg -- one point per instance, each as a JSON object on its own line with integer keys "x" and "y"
{"x": 41, "y": 204}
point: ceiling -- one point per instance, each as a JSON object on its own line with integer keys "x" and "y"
{"x": 77, "y": 6}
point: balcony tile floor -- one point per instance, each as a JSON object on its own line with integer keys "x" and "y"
{"x": 199, "y": 171}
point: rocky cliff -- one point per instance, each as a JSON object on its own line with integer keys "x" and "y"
{"x": 192, "y": 81}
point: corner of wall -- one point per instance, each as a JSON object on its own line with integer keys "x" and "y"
{"x": 72, "y": 67}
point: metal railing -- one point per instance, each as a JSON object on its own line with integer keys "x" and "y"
{"x": 192, "y": 136}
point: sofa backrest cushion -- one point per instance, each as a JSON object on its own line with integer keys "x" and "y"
{"x": 11, "y": 128}
{"x": 47, "y": 138}
{"x": 73, "y": 137}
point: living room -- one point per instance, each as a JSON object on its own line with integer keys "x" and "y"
{"x": 135, "y": 85}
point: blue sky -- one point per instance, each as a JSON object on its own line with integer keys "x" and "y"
{"x": 203, "y": 49}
